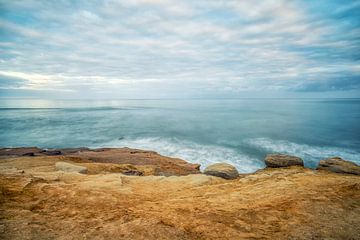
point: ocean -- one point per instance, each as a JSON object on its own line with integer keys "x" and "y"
{"x": 237, "y": 131}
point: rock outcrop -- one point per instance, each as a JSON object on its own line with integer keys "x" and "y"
{"x": 68, "y": 167}
{"x": 162, "y": 166}
{"x": 282, "y": 160}
{"x": 338, "y": 165}
{"x": 222, "y": 170}
{"x": 21, "y": 151}
{"x": 37, "y": 202}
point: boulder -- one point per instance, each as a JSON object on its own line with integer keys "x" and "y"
{"x": 339, "y": 165}
{"x": 282, "y": 160}
{"x": 68, "y": 167}
{"x": 222, "y": 170}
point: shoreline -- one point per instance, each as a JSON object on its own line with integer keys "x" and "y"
{"x": 127, "y": 155}
{"x": 135, "y": 194}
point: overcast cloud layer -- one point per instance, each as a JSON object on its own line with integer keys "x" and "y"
{"x": 172, "y": 48}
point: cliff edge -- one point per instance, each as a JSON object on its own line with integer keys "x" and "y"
{"x": 125, "y": 201}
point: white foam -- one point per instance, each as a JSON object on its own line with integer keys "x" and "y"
{"x": 208, "y": 154}
{"x": 310, "y": 154}
{"x": 192, "y": 152}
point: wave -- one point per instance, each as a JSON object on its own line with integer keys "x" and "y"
{"x": 310, "y": 154}
{"x": 192, "y": 152}
{"x": 208, "y": 154}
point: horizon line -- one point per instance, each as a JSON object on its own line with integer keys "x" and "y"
{"x": 192, "y": 98}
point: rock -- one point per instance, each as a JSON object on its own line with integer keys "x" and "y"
{"x": 22, "y": 151}
{"x": 66, "y": 151}
{"x": 126, "y": 169}
{"x": 68, "y": 167}
{"x": 191, "y": 180}
{"x": 223, "y": 170}
{"x": 282, "y": 160}
{"x": 133, "y": 173}
{"x": 31, "y": 154}
{"x": 339, "y": 165}
{"x": 166, "y": 166}
{"x": 52, "y": 152}
{"x": 160, "y": 165}
{"x": 273, "y": 203}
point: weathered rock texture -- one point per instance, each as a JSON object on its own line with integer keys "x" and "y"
{"x": 223, "y": 170}
{"x": 68, "y": 167}
{"x": 282, "y": 160}
{"x": 38, "y": 202}
{"x": 23, "y": 151}
{"x": 339, "y": 165}
{"x": 161, "y": 165}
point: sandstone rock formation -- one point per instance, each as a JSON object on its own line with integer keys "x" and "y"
{"x": 223, "y": 170}
{"x": 338, "y": 165}
{"x": 22, "y": 151}
{"x": 282, "y": 160}
{"x": 68, "y": 167}
{"x": 38, "y": 202}
{"x": 161, "y": 165}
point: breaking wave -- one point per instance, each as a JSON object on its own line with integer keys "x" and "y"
{"x": 310, "y": 154}
{"x": 208, "y": 154}
{"x": 192, "y": 152}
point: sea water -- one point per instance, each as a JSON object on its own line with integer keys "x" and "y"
{"x": 238, "y": 131}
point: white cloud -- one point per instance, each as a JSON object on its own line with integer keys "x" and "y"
{"x": 174, "y": 46}
{"x": 24, "y": 31}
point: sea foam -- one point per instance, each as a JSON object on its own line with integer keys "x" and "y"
{"x": 310, "y": 154}
{"x": 192, "y": 152}
{"x": 209, "y": 154}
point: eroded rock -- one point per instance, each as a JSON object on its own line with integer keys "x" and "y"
{"x": 165, "y": 166}
{"x": 68, "y": 167}
{"x": 282, "y": 160}
{"x": 222, "y": 170}
{"x": 161, "y": 165}
{"x": 46, "y": 204}
{"x": 21, "y": 151}
{"x": 51, "y": 152}
{"x": 339, "y": 165}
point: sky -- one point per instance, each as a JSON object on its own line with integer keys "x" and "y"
{"x": 179, "y": 49}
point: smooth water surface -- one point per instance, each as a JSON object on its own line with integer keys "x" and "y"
{"x": 238, "y": 131}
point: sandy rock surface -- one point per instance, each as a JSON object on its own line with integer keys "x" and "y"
{"x": 68, "y": 167}
{"x": 38, "y": 202}
{"x": 161, "y": 165}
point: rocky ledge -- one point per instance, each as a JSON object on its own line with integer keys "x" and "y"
{"x": 133, "y": 161}
{"x": 134, "y": 194}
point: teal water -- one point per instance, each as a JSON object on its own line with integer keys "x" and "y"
{"x": 238, "y": 131}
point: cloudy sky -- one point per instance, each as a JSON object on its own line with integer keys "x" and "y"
{"x": 179, "y": 49}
